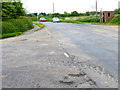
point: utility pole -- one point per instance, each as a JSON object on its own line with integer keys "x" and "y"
{"x": 53, "y": 9}
{"x": 96, "y": 9}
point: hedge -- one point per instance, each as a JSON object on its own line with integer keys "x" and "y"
{"x": 21, "y": 24}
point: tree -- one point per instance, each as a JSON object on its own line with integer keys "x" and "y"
{"x": 30, "y": 15}
{"x": 56, "y": 15}
{"x": 87, "y": 13}
{"x": 65, "y": 14}
{"x": 12, "y": 0}
{"x": 74, "y": 13}
{"x": 8, "y": 10}
{"x": 42, "y": 14}
{"x": 117, "y": 11}
{"x": 12, "y": 10}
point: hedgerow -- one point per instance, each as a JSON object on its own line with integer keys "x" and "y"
{"x": 21, "y": 24}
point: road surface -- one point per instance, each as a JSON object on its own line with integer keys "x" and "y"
{"x": 62, "y": 55}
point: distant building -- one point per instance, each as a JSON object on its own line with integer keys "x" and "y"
{"x": 106, "y": 16}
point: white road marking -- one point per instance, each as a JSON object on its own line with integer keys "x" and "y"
{"x": 66, "y": 54}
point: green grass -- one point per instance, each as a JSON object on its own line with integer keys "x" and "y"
{"x": 35, "y": 18}
{"x": 39, "y": 24}
{"x": 10, "y": 35}
{"x": 93, "y": 20}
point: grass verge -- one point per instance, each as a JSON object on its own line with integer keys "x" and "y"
{"x": 92, "y": 20}
{"x": 39, "y": 24}
{"x": 10, "y": 35}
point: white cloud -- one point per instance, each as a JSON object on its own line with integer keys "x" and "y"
{"x": 68, "y": 5}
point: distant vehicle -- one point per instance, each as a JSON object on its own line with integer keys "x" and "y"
{"x": 56, "y": 19}
{"x": 42, "y": 20}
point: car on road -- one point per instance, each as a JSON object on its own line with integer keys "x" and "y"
{"x": 42, "y": 20}
{"x": 56, "y": 19}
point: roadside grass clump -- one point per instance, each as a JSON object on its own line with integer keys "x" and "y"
{"x": 10, "y": 35}
{"x": 89, "y": 19}
{"x": 39, "y": 24}
{"x": 16, "y": 26}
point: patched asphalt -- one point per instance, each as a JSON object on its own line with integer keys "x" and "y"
{"x": 60, "y": 55}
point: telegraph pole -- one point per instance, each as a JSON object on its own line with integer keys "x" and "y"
{"x": 53, "y": 9}
{"x": 96, "y": 9}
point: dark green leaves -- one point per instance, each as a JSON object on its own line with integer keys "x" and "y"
{"x": 12, "y": 10}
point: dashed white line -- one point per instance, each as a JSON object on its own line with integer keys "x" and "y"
{"x": 66, "y": 54}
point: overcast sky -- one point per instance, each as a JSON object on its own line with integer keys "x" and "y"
{"x": 68, "y": 5}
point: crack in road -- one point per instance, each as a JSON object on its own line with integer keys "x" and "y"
{"x": 44, "y": 61}
{"x": 99, "y": 69}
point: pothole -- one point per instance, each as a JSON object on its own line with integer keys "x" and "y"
{"x": 77, "y": 75}
{"x": 68, "y": 82}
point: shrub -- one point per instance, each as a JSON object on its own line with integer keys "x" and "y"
{"x": 115, "y": 20}
{"x": 16, "y": 25}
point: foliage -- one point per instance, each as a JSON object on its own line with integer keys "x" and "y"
{"x": 117, "y": 11}
{"x": 115, "y": 20}
{"x": 74, "y": 13}
{"x": 91, "y": 20}
{"x": 30, "y": 15}
{"x": 11, "y": 0}
{"x": 87, "y": 14}
{"x": 16, "y": 25}
{"x": 12, "y": 10}
{"x": 10, "y": 35}
{"x": 56, "y": 15}
{"x": 48, "y": 19}
{"x": 42, "y": 14}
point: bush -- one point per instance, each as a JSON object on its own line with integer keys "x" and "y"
{"x": 115, "y": 20}
{"x": 16, "y": 25}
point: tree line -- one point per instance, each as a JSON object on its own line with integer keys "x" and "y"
{"x": 74, "y": 13}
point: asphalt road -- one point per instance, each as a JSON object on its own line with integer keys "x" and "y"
{"x": 89, "y": 42}
{"x": 62, "y": 55}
